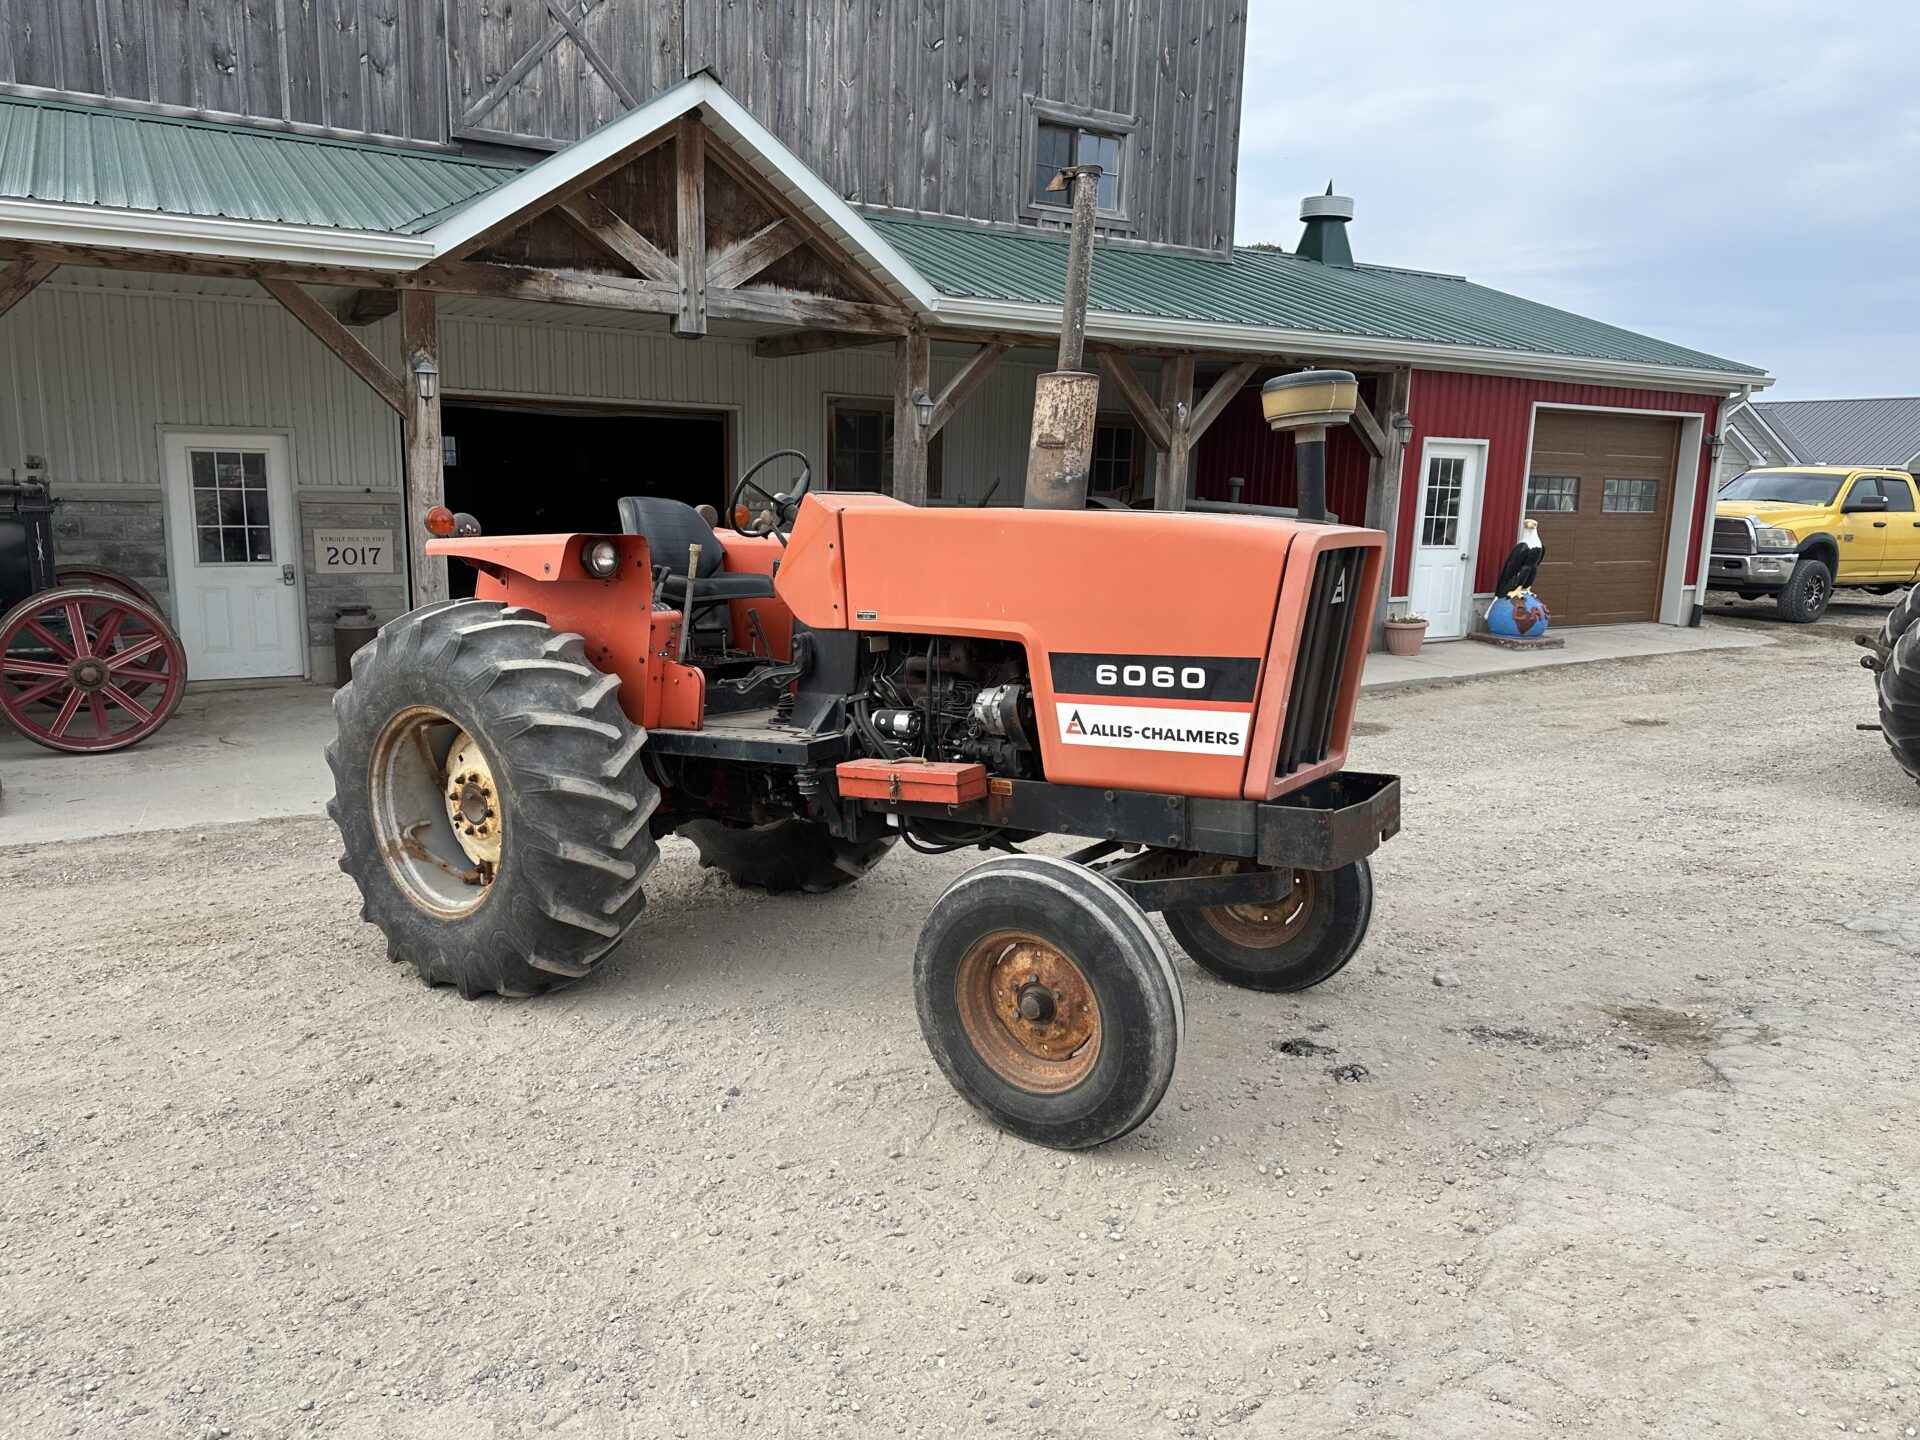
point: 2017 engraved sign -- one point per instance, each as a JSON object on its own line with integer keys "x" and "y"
{"x": 353, "y": 552}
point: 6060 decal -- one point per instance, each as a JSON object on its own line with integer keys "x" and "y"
{"x": 1186, "y": 677}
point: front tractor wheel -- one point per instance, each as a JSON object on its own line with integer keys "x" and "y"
{"x": 784, "y": 856}
{"x": 1292, "y": 943}
{"x": 1048, "y": 1001}
{"x": 490, "y": 795}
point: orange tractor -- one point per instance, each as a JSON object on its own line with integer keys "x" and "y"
{"x": 843, "y": 673}
{"x": 1176, "y": 688}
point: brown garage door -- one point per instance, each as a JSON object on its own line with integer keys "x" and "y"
{"x": 1601, "y": 488}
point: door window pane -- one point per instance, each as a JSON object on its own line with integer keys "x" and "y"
{"x": 1630, "y": 497}
{"x": 1866, "y": 489}
{"x": 1899, "y": 495}
{"x": 1554, "y": 492}
{"x": 1446, "y": 475}
{"x": 231, "y": 510}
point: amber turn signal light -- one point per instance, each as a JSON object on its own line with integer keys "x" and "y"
{"x": 439, "y": 521}
{"x": 742, "y": 517}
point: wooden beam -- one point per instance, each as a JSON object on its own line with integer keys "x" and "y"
{"x": 1368, "y": 429}
{"x": 745, "y": 258}
{"x": 1218, "y": 398}
{"x": 690, "y": 214}
{"x": 593, "y": 218}
{"x": 1384, "y": 478}
{"x": 912, "y": 367}
{"x": 1146, "y": 414}
{"x": 787, "y": 308}
{"x": 808, "y": 342}
{"x": 101, "y": 257}
{"x": 18, "y": 280}
{"x": 342, "y": 341}
{"x": 426, "y": 479}
{"x": 1176, "y": 402}
{"x": 964, "y": 383}
{"x": 580, "y": 183}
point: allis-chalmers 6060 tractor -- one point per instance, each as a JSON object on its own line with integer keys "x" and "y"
{"x": 848, "y": 673}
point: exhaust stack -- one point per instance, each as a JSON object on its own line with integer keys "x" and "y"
{"x": 1067, "y": 398}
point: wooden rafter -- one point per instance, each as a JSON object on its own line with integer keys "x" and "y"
{"x": 964, "y": 383}
{"x": 690, "y": 207}
{"x": 559, "y": 195}
{"x": 1146, "y": 414}
{"x": 1218, "y": 397}
{"x": 754, "y": 185}
{"x": 747, "y": 257}
{"x": 808, "y": 342}
{"x": 342, "y": 341}
{"x": 18, "y": 280}
{"x": 1368, "y": 429}
{"x": 593, "y": 218}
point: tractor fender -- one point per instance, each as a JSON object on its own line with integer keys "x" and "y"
{"x": 536, "y": 557}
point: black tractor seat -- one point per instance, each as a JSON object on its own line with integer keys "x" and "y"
{"x": 670, "y": 526}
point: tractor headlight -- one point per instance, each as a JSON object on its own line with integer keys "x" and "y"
{"x": 602, "y": 559}
{"x": 1772, "y": 537}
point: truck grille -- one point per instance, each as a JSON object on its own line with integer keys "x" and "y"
{"x": 1732, "y": 537}
{"x": 1332, "y": 603}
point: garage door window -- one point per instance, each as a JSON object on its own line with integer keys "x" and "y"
{"x": 1630, "y": 497}
{"x": 1559, "y": 493}
{"x": 1445, "y": 475}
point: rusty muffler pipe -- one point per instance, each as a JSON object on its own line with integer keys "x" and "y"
{"x": 1067, "y": 398}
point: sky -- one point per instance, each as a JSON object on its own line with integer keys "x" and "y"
{"x": 1744, "y": 180}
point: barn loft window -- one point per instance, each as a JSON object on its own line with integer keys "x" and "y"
{"x": 860, "y": 448}
{"x": 1630, "y": 497}
{"x": 1559, "y": 493}
{"x": 1063, "y": 136}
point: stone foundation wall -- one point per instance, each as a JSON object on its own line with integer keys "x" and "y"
{"x": 124, "y": 534}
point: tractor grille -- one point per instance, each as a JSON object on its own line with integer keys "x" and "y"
{"x": 1332, "y": 603}
{"x": 1732, "y": 537}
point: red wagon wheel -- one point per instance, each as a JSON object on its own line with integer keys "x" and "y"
{"x": 85, "y": 669}
{"x": 98, "y": 577}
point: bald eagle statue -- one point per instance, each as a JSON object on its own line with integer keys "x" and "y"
{"x": 1516, "y": 576}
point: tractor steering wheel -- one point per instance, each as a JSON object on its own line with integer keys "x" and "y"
{"x": 782, "y": 506}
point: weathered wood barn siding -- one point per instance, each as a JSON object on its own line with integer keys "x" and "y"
{"x": 914, "y": 105}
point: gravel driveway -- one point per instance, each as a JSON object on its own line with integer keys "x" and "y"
{"x": 1632, "y": 1147}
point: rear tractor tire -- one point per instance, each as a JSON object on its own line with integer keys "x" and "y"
{"x": 1899, "y": 685}
{"x": 784, "y": 856}
{"x": 1294, "y": 943}
{"x": 1048, "y": 1001}
{"x": 491, "y": 798}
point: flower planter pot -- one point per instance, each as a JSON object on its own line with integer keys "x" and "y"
{"x": 1404, "y": 636}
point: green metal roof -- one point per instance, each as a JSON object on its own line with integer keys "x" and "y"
{"x": 1271, "y": 289}
{"x": 82, "y": 155}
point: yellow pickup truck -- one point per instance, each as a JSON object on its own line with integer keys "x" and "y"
{"x": 1797, "y": 532}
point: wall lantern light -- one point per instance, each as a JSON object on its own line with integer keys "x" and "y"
{"x": 426, "y": 376}
{"x": 923, "y": 407}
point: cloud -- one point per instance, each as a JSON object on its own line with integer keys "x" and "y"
{"x": 1745, "y": 181}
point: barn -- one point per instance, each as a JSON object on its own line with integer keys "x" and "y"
{"x": 248, "y": 357}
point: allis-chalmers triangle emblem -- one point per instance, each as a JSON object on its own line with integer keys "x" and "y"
{"x": 1339, "y": 591}
{"x": 1074, "y": 727}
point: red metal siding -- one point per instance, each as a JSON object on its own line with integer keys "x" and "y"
{"x": 1499, "y": 410}
{"x": 1239, "y": 443}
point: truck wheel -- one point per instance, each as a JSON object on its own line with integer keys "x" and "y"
{"x": 1807, "y": 592}
{"x": 1048, "y": 1001}
{"x": 490, "y": 795}
{"x": 1900, "y": 701}
{"x": 784, "y": 856}
{"x": 1292, "y": 944}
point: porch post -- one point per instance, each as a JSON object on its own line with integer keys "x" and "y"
{"x": 912, "y": 371}
{"x": 425, "y": 479}
{"x": 1176, "y": 403}
{"x": 1383, "y": 486}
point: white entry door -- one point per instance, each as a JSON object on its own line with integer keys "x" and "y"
{"x": 234, "y": 547}
{"x": 1443, "y": 549}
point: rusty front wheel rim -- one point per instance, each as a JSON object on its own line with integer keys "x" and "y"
{"x": 1267, "y": 925}
{"x": 1028, "y": 1011}
{"x": 438, "y": 869}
